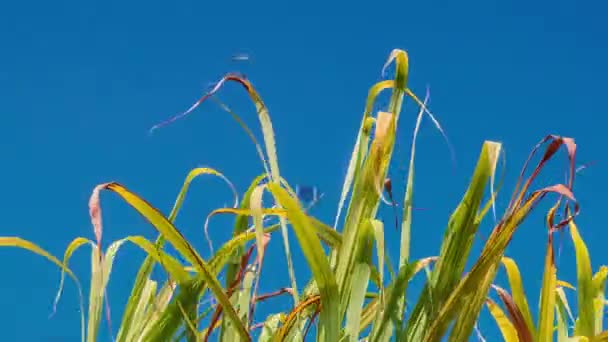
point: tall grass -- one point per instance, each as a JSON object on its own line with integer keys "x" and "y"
{"x": 350, "y": 295}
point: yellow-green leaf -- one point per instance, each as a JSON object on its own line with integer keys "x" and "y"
{"x": 10, "y": 241}
{"x": 509, "y": 334}
{"x": 586, "y": 291}
{"x": 547, "y": 299}
{"x": 517, "y": 290}
{"x": 317, "y": 261}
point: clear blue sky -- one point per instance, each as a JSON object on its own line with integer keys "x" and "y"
{"x": 81, "y": 83}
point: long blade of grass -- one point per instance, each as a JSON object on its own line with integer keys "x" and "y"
{"x": 189, "y": 296}
{"x": 256, "y": 212}
{"x": 96, "y": 292}
{"x": 360, "y": 149}
{"x": 240, "y": 227}
{"x": 170, "y": 318}
{"x": 476, "y": 283}
{"x": 409, "y": 93}
{"x": 382, "y": 328}
{"x": 353, "y": 314}
{"x": 455, "y": 248}
{"x": 152, "y": 313}
{"x": 101, "y": 270}
{"x": 519, "y": 296}
{"x": 368, "y": 179}
{"x": 72, "y": 247}
{"x": 173, "y": 236}
{"x": 147, "y": 297}
{"x": 168, "y": 325}
{"x": 158, "y": 221}
{"x": 10, "y": 241}
{"x": 406, "y": 223}
{"x": 269, "y": 141}
{"x": 146, "y": 268}
{"x": 488, "y": 262}
{"x": 364, "y": 202}
{"x": 360, "y": 279}
{"x": 547, "y": 298}
{"x": 313, "y": 251}
{"x": 586, "y": 292}
{"x": 468, "y": 314}
{"x": 372, "y": 313}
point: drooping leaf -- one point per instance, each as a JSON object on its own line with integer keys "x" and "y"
{"x": 146, "y": 268}
{"x": 10, "y": 241}
{"x": 173, "y": 236}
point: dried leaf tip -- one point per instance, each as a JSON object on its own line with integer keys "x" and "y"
{"x": 95, "y": 213}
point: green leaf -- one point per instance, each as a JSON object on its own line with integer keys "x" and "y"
{"x": 477, "y": 282}
{"x": 146, "y": 268}
{"x": 382, "y": 329}
{"x": 101, "y": 269}
{"x": 599, "y": 301}
{"x": 360, "y": 149}
{"x": 317, "y": 261}
{"x": 173, "y": 236}
{"x": 586, "y": 290}
{"x": 9, "y": 241}
{"x": 547, "y": 298}
{"x": 364, "y": 202}
{"x": 376, "y": 307}
{"x": 353, "y": 314}
{"x": 455, "y": 248}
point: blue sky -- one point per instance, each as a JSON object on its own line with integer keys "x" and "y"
{"x": 82, "y": 82}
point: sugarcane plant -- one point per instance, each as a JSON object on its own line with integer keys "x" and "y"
{"x": 350, "y": 294}
{"x": 518, "y": 324}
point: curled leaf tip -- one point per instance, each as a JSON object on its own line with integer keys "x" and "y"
{"x": 208, "y": 94}
{"x": 234, "y": 76}
{"x": 391, "y": 58}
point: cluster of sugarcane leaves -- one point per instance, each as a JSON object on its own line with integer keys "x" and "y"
{"x": 349, "y": 297}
